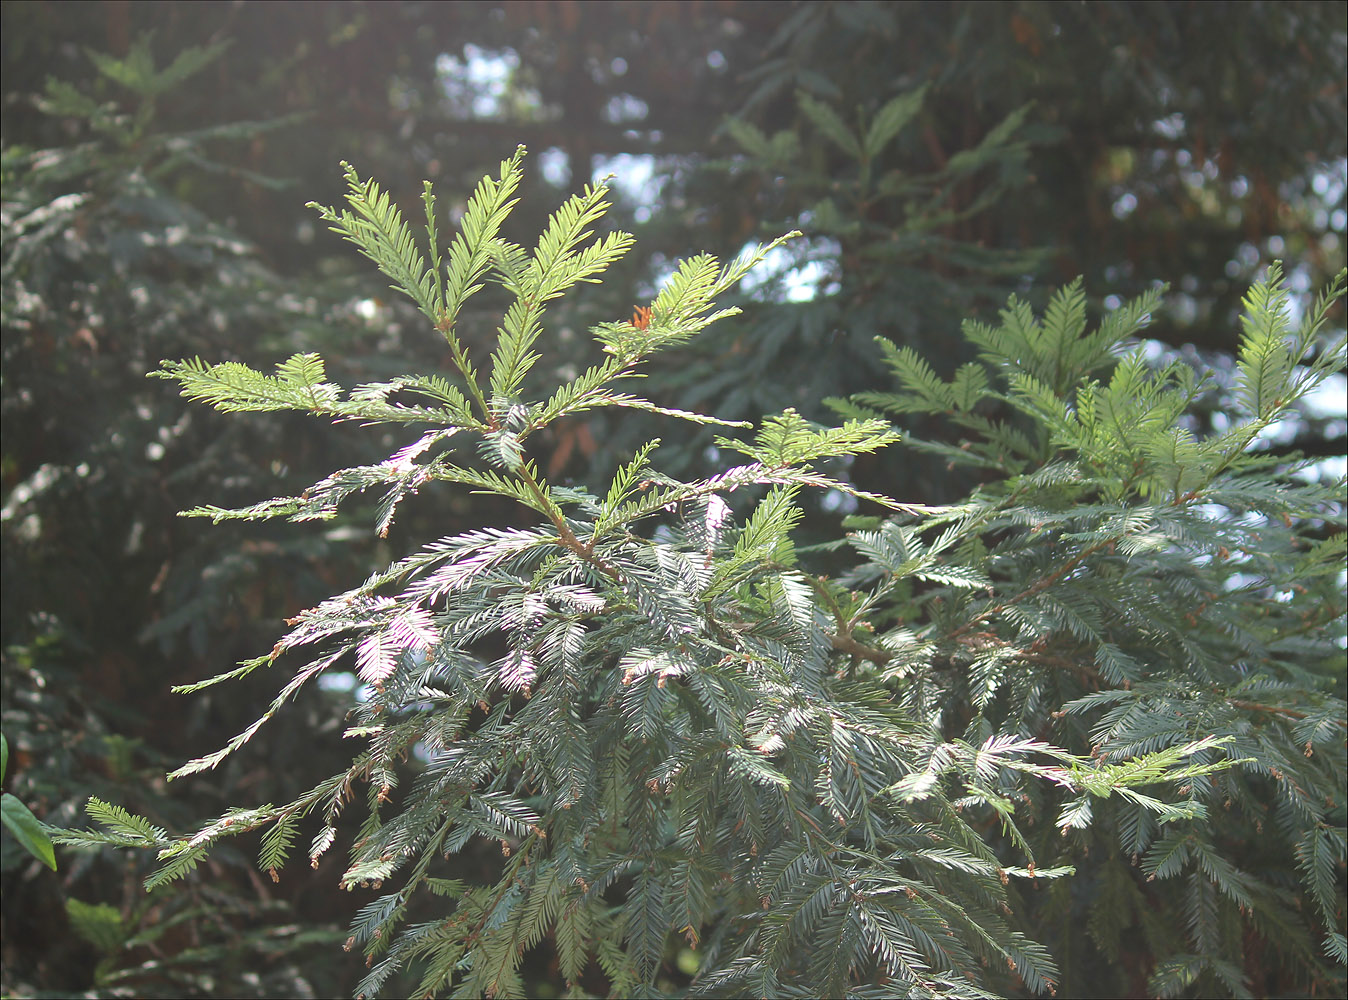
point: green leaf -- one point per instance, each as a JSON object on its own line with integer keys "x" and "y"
{"x": 828, "y": 122}
{"x": 750, "y": 138}
{"x": 233, "y": 387}
{"x": 28, "y": 830}
{"x": 789, "y": 439}
{"x": 891, "y": 119}
{"x": 276, "y": 844}
{"x": 98, "y": 923}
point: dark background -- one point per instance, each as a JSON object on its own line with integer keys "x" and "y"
{"x": 1190, "y": 143}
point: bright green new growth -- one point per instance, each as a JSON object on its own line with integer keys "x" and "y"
{"x": 818, "y": 784}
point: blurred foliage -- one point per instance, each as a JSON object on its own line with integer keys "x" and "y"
{"x": 1157, "y": 143}
{"x": 154, "y": 213}
{"x": 107, "y": 596}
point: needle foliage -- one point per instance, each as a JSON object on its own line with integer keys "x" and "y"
{"x": 1079, "y": 682}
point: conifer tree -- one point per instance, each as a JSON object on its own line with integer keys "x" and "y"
{"x": 676, "y": 727}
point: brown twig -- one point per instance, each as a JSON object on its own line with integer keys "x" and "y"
{"x": 1291, "y": 713}
{"x": 1039, "y": 586}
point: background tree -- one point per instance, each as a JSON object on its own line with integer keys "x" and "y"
{"x": 107, "y": 597}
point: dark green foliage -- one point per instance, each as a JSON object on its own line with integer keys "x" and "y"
{"x": 106, "y": 598}
{"x": 940, "y": 157}
{"x": 673, "y": 727}
{"x": 883, "y": 248}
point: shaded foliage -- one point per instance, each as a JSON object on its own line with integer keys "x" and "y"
{"x": 107, "y": 595}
